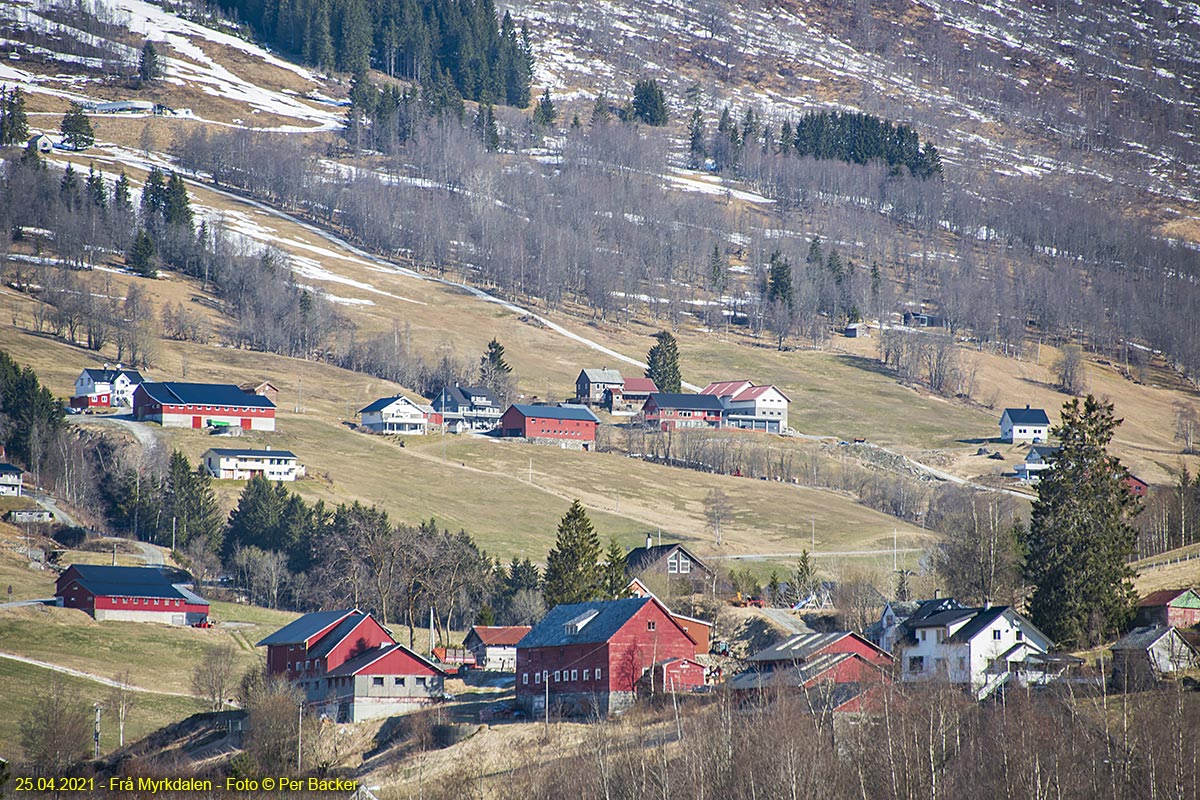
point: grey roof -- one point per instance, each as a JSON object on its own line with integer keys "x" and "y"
{"x": 104, "y": 580}
{"x": 9, "y": 469}
{"x": 235, "y": 452}
{"x": 1142, "y": 638}
{"x": 639, "y": 558}
{"x": 603, "y": 376}
{"x": 100, "y": 374}
{"x": 206, "y": 394}
{"x": 941, "y": 618}
{"x": 556, "y": 412}
{"x": 301, "y": 630}
{"x": 903, "y": 609}
{"x": 1027, "y": 416}
{"x": 801, "y": 647}
{"x": 795, "y": 675}
{"x": 982, "y": 619}
{"x": 365, "y": 659}
{"x": 1043, "y": 451}
{"x": 928, "y": 608}
{"x": 701, "y": 402}
{"x": 610, "y": 617}
{"x": 381, "y": 404}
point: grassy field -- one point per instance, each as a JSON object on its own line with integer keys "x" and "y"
{"x": 19, "y": 683}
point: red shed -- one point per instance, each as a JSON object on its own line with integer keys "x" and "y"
{"x": 587, "y": 658}
{"x": 1179, "y": 608}
{"x": 673, "y": 675}
{"x": 565, "y": 423}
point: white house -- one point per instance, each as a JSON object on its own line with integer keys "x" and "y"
{"x": 41, "y": 143}
{"x": 1039, "y": 459}
{"x": 242, "y": 465}
{"x": 1024, "y": 425}
{"x": 980, "y": 649}
{"x": 11, "y": 482}
{"x": 467, "y": 408}
{"x": 395, "y": 415}
{"x": 759, "y": 408}
{"x": 107, "y": 386}
{"x": 592, "y": 384}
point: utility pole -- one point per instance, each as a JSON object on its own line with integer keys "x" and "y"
{"x": 443, "y": 423}
{"x": 546, "y": 681}
{"x": 299, "y": 731}
{"x": 172, "y": 533}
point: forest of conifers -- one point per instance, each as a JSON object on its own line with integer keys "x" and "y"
{"x": 418, "y": 40}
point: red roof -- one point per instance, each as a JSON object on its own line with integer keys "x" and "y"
{"x": 725, "y": 388}
{"x": 1162, "y": 597}
{"x": 501, "y": 635}
{"x": 640, "y": 385}
{"x": 758, "y": 391}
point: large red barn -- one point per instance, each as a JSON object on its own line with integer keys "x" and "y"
{"x": 132, "y": 594}
{"x": 202, "y": 405}
{"x": 587, "y": 658}
{"x": 561, "y": 423}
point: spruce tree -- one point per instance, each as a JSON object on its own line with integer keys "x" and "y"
{"x": 68, "y": 187}
{"x": 613, "y": 578}
{"x": 696, "y": 153}
{"x": 1079, "y": 540}
{"x": 573, "y": 571}
{"x": 662, "y": 363}
{"x": 148, "y": 69}
{"x": 96, "y": 192}
{"x": 14, "y": 125}
{"x": 177, "y": 208}
{"x": 140, "y": 258}
{"x": 779, "y": 280}
{"x": 76, "y": 128}
{"x": 544, "y": 113}
{"x": 257, "y": 517}
{"x": 649, "y": 103}
{"x": 718, "y": 270}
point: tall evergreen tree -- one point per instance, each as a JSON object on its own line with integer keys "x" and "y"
{"x": 1079, "y": 540}
{"x": 148, "y": 68}
{"x": 177, "y": 208}
{"x": 76, "y": 128}
{"x": 140, "y": 258}
{"x": 544, "y": 113}
{"x": 14, "y": 125}
{"x": 779, "y": 281}
{"x": 662, "y": 363}
{"x": 97, "y": 193}
{"x": 613, "y": 580}
{"x": 189, "y": 503}
{"x": 573, "y": 571}
{"x": 696, "y": 152}
{"x": 718, "y": 270}
{"x": 649, "y": 103}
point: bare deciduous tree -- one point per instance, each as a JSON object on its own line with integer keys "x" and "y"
{"x": 213, "y": 677}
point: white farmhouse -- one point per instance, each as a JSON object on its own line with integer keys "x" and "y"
{"x": 11, "y": 480}
{"x": 980, "y": 649}
{"x": 1024, "y": 425}
{"x": 109, "y": 386}
{"x": 759, "y": 408}
{"x": 395, "y": 415}
{"x": 242, "y": 465}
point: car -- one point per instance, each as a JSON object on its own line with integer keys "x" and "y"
{"x": 72, "y": 410}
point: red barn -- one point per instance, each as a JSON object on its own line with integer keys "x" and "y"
{"x": 806, "y": 646}
{"x": 350, "y": 667}
{"x": 133, "y": 594}
{"x": 561, "y": 423}
{"x": 1179, "y": 608}
{"x": 587, "y": 658}
{"x": 667, "y": 411}
{"x": 202, "y": 405}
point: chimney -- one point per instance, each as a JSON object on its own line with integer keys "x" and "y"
{"x": 649, "y": 540}
{"x": 937, "y": 594}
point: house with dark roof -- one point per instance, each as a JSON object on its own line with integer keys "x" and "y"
{"x": 396, "y": 414}
{"x": 1039, "y": 459}
{"x": 132, "y": 594}
{"x": 757, "y": 408}
{"x": 895, "y": 630}
{"x": 628, "y": 398}
{"x": 980, "y": 649}
{"x": 263, "y": 388}
{"x": 1137, "y": 486}
{"x": 1144, "y": 655}
{"x": 101, "y": 387}
{"x": 1024, "y": 425}
{"x": 592, "y": 384}
{"x": 1175, "y": 607}
{"x": 495, "y": 646}
{"x": 12, "y": 482}
{"x": 466, "y": 408}
{"x": 202, "y": 405}
{"x": 350, "y": 667}
{"x": 587, "y": 658}
{"x": 667, "y": 411}
{"x": 566, "y": 425}
{"x": 664, "y": 564}
{"x": 241, "y": 464}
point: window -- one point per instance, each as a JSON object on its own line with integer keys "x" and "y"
{"x": 996, "y": 635}
{"x": 916, "y": 663}
{"x": 585, "y": 674}
{"x": 1020, "y": 635}
{"x": 557, "y": 676}
{"x": 537, "y": 678}
{"x": 685, "y": 565}
{"x": 420, "y": 680}
{"x": 922, "y": 635}
{"x": 650, "y": 625}
{"x": 398, "y": 681}
{"x": 307, "y": 663}
{"x": 574, "y": 675}
{"x": 377, "y": 681}
{"x": 524, "y": 678}
{"x": 597, "y": 673}
{"x": 672, "y": 566}
{"x": 941, "y": 636}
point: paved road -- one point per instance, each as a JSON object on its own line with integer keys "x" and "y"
{"x": 820, "y": 554}
{"x": 18, "y": 603}
{"x": 786, "y": 620}
{"x": 50, "y": 504}
{"x": 150, "y": 554}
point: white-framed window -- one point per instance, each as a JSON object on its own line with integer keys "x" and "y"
{"x": 585, "y": 674}
{"x": 650, "y": 624}
{"x": 941, "y": 635}
{"x": 537, "y": 678}
{"x": 377, "y": 681}
{"x": 922, "y": 635}
{"x": 916, "y": 663}
{"x": 399, "y": 681}
{"x": 1020, "y": 635}
{"x": 685, "y": 565}
{"x": 524, "y": 678}
{"x": 996, "y": 635}
{"x": 420, "y": 680}
{"x": 557, "y": 676}
{"x": 597, "y": 673}
{"x": 672, "y": 566}
{"x": 574, "y": 675}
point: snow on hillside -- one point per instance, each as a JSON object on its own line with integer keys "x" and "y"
{"x": 186, "y": 64}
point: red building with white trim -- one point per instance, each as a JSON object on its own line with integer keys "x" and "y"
{"x": 131, "y": 594}
{"x": 561, "y": 423}
{"x": 667, "y": 411}
{"x": 587, "y": 658}
{"x": 202, "y": 405}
